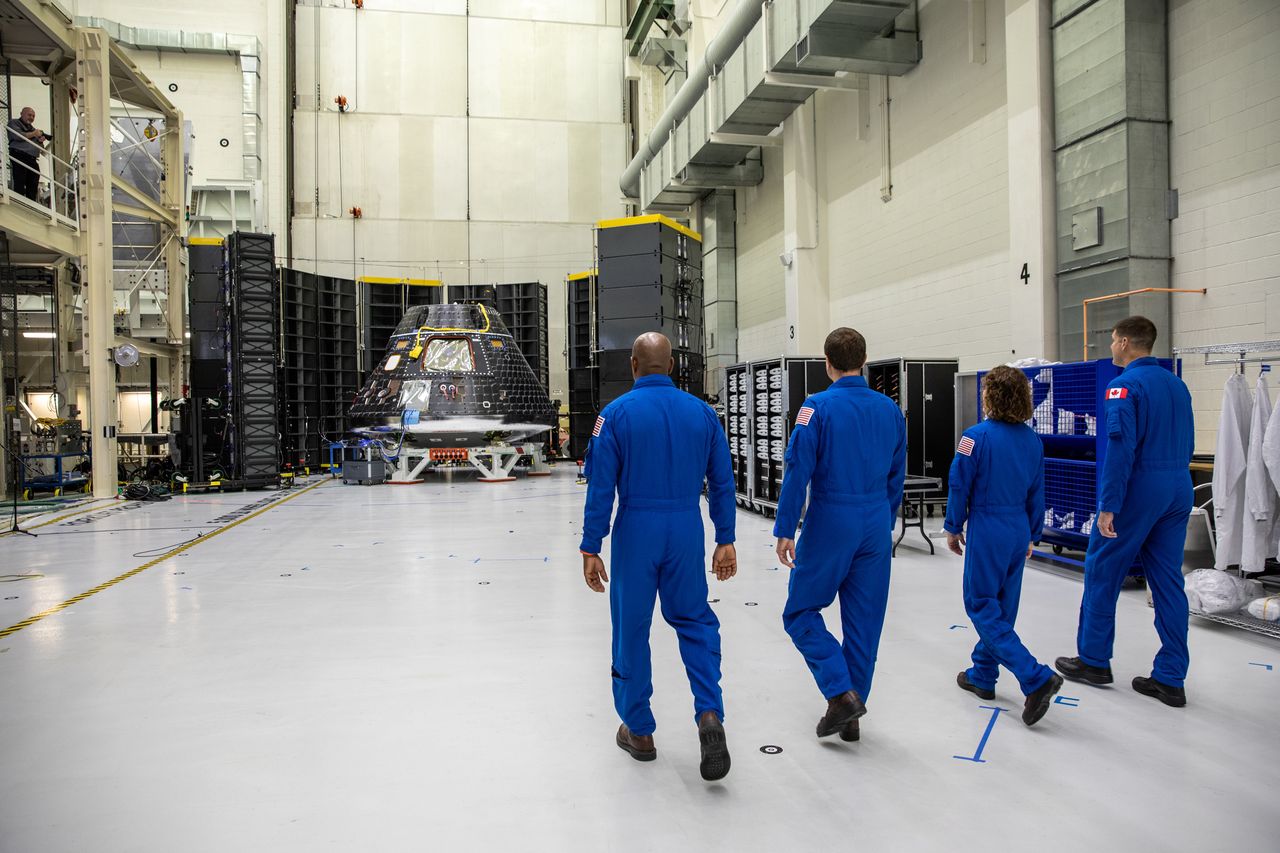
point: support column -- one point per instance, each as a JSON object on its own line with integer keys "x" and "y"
{"x": 804, "y": 265}
{"x": 93, "y": 69}
{"x": 175, "y": 255}
{"x": 1032, "y": 278}
{"x": 718, "y": 224}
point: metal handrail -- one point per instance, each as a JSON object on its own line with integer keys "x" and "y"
{"x": 62, "y": 200}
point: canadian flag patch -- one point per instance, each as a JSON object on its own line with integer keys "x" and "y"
{"x": 965, "y": 446}
{"x": 1117, "y": 393}
{"x": 599, "y": 426}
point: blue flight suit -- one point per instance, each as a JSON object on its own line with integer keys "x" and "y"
{"x": 851, "y": 448}
{"x": 997, "y": 485}
{"x": 655, "y": 445}
{"x": 1146, "y": 481}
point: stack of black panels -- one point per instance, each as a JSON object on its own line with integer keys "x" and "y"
{"x": 251, "y": 359}
{"x": 339, "y": 364}
{"x": 321, "y": 363}
{"x": 650, "y": 280}
{"x": 207, "y": 308}
{"x": 523, "y": 306}
{"x": 580, "y": 297}
{"x": 382, "y": 307}
{"x": 300, "y": 369}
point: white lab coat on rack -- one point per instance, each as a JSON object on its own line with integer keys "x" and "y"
{"x": 1229, "y": 463}
{"x": 1271, "y": 457}
{"x": 1257, "y": 543}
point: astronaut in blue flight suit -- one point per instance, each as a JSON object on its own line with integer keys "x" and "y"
{"x": 1144, "y": 500}
{"x": 849, "y": 447}
{"x": 997, "y": 486}
{"x": 655, "y": 445}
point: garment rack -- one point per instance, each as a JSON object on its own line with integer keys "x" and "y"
{"x": 1252, "y": 352}
{"x": 1238, "y": 354}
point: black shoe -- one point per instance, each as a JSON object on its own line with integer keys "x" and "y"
{"x": 715, "y": 750}
{"x": 1038, "y": 702}
{"x": 1077, "y": 670}
{"x": 965, "y": 684}
{"x": 640, "y": 747}
{"x": 1174, "y": 697}
{"x": 840, "y": 710}
{"x": 850, "y": 732}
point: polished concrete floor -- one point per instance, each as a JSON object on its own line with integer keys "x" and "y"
{"x": 404, "y": 668}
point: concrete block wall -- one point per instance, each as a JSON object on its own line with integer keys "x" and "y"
{"x": 762, "y": 320}
{"x": 1224, "y": 67}
{"x": 925, "y": 273}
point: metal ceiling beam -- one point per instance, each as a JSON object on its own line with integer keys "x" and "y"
{"x": 156, "y": 212}
{"x": 646, "y": 13}
{"x": 128, "y": 83}
{"x": 49, "y": 20}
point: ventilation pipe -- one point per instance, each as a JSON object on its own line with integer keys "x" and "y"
{"x": 735, "y": 30}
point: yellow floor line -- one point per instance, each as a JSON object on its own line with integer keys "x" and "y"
{"x": 31, "y": 620}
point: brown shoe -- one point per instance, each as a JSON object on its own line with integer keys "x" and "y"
{"x": 840, "y": 710}
{"x": 640, "y": 746}
{"x": 715, "y": 750}
{"x": 850, "y": 732}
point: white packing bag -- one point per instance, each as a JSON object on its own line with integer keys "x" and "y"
{"x": 1213, "y": 591}
{"x": 1267, "y": 609}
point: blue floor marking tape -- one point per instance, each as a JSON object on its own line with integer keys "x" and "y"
{"x": 1069, "y": 701}
{"x": 977, "y": 758}
{"x": 953, "y": 627}
{"x": 1267, "y": 665}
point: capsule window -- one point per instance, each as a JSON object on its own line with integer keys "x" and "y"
{"x": 448, "y": 355}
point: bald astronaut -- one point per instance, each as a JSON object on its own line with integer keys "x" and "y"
{"x": 654, "y": 446}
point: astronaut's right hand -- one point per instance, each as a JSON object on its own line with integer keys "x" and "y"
{"x": 955, "y": 541}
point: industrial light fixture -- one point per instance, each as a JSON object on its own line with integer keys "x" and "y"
{"x": 37, "y": 334}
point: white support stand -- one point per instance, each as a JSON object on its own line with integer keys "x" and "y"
{"x": 410, "y": 464}
{"x": 495, "y": 463}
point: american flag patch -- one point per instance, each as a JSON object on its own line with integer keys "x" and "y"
{"x": 966, "y": 446}
{"x": 599, "y": 425}
{"x": 802, "y": 417}
{"x": 1117, "y": 393}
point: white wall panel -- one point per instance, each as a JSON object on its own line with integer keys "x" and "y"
{"x": 410, "y": 168}
{"x": 527, "y": 69}
{"x": 209, "y": 95}
{"x": 1224, "y": 64}
{"x": 412, "y": 66}
{"x": 531, "y": 171}
{"x": 413, "y": 249}
{"x": 600, "y": 12}
{"x": 434, "y": 7}
{"x": 762, "y": 304}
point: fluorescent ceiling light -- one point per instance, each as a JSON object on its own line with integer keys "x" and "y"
{"x": 39, "y": 334}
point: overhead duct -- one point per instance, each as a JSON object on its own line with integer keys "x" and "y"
{"x": 769, "y": 58}
{"x": 246, "y": 48}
